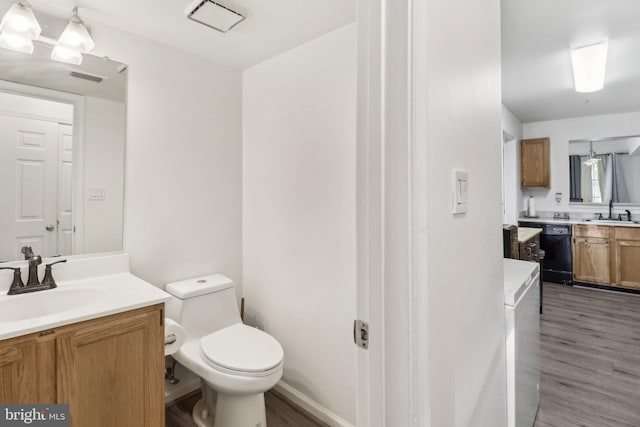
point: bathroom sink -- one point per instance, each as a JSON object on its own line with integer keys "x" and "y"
{"x": 46, "y": 303}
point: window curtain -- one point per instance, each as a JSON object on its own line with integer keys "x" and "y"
{"x": 586, "y": 184}
{"x": 575, "y": 171}
{"x": 586, "y": 189}
{"x": 608, "y": 180}
{"x": 615, "y": 185}
{"x": 601, "y": 175}
{"x": 619, "y": 190}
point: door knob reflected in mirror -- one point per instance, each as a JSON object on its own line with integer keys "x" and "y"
{"x": 50, "y": 227}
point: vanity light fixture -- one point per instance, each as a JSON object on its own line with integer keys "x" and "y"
{"x": 592, "y": 160}
{"x": 19, "y": 28}
{"x": 73, "y": 42}
{"x": 589, "y": 63}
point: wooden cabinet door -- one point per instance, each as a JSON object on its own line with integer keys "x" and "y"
{"x": 27, "y": 369}
{"x": 534, "y": 163}
{"x": 110, "y": 370}
{"x": 626, "y": 263}
{"x": 591, "y": 260}
{"x": 625, "y": 258}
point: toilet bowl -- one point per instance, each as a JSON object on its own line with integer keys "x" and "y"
{"x": 237, "y": 361}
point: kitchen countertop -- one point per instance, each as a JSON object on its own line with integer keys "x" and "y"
{"x": 579, "y": 221}
{"x": 525, "y": 233}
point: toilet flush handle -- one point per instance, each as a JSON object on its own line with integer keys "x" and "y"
{"x": 170, "y": 339}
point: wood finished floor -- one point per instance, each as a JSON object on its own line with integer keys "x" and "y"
{"x": 590, "y": 358}
{"x": 281, "y": 412}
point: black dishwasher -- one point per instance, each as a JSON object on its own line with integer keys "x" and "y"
{"x": 555, "y": 240}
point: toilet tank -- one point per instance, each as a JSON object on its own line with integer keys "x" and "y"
{"x": 203, "y": 304}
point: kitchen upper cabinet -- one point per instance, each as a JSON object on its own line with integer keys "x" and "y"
{"x": 592, "y": 254}
{"x": 625, "y": 257}
{"x": 109, "y": 370}
{"x": 535, "y": 170}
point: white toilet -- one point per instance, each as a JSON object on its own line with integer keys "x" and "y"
{"x": 237, "y": 361}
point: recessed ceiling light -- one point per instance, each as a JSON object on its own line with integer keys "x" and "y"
{"x": 589, "y": 64}
{"x": 213, "y": 15}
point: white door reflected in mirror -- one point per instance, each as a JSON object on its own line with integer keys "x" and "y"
{"x": 36, "y": 174}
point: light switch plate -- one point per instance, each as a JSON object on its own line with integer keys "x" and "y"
{"x": 96, "y": 193}
{"x": 460, "y": 188}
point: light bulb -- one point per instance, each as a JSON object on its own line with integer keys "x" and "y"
{"x": 20, "y": 20}
{"x": 65, "y": 54}
{"x": 16, "y": 42}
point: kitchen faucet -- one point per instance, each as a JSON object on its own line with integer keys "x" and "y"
{"x": 628, "y": 214}
{"x": 610, "y": 208}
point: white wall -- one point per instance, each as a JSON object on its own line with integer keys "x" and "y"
{"x": 299, "y": 212}
{"x": 104, "y": 145}
{"x": 512, "y": 126}
{"x": 464, "y": 266}
{"x": 37, "y": 108}
{"x": 560, "y": 133}
{"x": 183, "y": 180}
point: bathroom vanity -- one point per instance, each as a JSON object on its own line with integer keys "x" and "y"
{"x": 103, "y": 354}
{"x": 108, "y": 370}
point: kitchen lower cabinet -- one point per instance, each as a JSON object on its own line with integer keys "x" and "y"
{"x": 592, "y": 254}
{"x": 625, "y": 257}
{"x": 109, "y": 370}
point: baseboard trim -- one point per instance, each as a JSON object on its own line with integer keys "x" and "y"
{"x": 311, "y": 406}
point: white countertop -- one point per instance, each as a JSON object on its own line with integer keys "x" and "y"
{"x": 516, "y": 275}
{"x": 578, "y": 221}
{"x": 82, "y": 298}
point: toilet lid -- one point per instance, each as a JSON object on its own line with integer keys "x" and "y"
{"x": 242, "y": 348}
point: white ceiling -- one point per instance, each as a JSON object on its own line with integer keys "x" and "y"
{"x": 271, "y": 26}
{"x": 537, "y": 80}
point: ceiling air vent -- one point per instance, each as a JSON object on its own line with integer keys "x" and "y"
{"x": 213, "y": 15}
{"x": 90, "y": 77}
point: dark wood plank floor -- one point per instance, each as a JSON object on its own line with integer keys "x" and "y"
{"x": 281, "y": 412}
{"x": 590, "y": 358}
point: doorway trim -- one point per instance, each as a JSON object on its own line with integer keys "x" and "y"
{"x": 392, "y": 213}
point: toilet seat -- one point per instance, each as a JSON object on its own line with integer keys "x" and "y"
{"x": 241, "y": 349}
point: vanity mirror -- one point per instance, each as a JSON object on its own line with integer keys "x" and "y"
{"x": 62, "y": 137}
{"x": 605, "y": 170}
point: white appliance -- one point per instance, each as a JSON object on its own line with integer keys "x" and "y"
{"x": 522, "y": 305}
